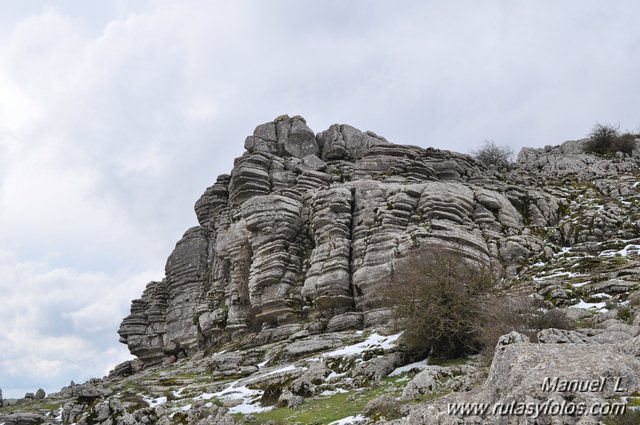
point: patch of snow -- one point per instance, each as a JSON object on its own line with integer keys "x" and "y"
{"x": 204, "y": 396}
{"x": 565, "y": 274}
{"x": 563, "y": 251}
{"x": 58, "y": 418}
{"x": 635, "y": 184}
{"x": 349, "y": 420}
{"x": 404, "y": 369}
{"x": 374, "y": 341}
{"x": 263, "y": 364}
{"x": 629, "y": 249}
{"x": 579, "y": 284}
{"x": 601, "y": 295}
{"x": 178, "y": 392}
{"x": 251, "y": 407}
{"x": 335, "y": 375}
{"x": 249, "y": 399}
{"x": 209, "y": 405}
{"x": 282, "y": 369}
{"x": 585, "y": 305}
{"x": 334, "y": 392}
{"x": 186, "y": 407}
{"x": 152, "y": 402}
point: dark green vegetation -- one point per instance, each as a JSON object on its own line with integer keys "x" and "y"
{"x": 605, "y": 139}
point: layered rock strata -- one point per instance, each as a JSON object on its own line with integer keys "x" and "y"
{"x": 307, "y": 228}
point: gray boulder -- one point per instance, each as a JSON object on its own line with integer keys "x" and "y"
{"x": 384, "y": 406}
{"x": 23, "y": 419}
{"x": 425, "y": 382}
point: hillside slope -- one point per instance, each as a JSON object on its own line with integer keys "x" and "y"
{"x": 270, "y": 309}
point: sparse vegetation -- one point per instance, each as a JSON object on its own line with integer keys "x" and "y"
{"x": 436, "y": 298}
{"x": 605, "y": 139}
{"x": 504, "y": 313}
{"x": 631, "y": 417}
{"x": 495, "y": 156}
{"x": 449, "y": 307}
{"x": 322, "y": 410}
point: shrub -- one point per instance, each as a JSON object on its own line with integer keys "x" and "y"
{"x": 436, "y": 299}
{"x": 605, "y": 139}
{"x": 494, "y": 156}
{"x": 448, "y": 307}
{"x": 507, "y": 312}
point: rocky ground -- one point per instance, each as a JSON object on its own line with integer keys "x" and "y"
{"x": 270, "y": 313}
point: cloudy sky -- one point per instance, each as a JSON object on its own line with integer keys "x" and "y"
{"x": 116, "y": 115}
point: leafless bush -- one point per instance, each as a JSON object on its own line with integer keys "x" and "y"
{"x": 605, "y": 139}
{"x": 436, "y": 297}
{"x": 447, "y": 306}
{"x": 494, "y": 156}
{"x": 506, "y": 312}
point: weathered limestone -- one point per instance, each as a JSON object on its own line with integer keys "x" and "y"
{"x": 308, "y": 228}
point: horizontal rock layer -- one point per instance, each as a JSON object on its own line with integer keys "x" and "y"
{"x": 307, "y": 228}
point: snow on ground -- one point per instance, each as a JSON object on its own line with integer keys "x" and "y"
{"x": 417, "y": 365}
{"x": 282, "y": 369}
{"x": 152, "y": 402}
{"x": 563, "y": 251}
{"x": 568, "y": 275}
{"x": 335, "y": 375}
{"x": 204, "y": 396}
{"x": 585, "y": 305}
{"x": 579, "y": 284}
{"x": 334, "y": 392}
{"x": 248, "y": 399}
{"x": 629, "y": 249}
{"x": 349, "y": 420}
{"x": 373, "y": 341}
{"x": 600, "y": 295}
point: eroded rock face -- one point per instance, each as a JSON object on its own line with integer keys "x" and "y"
{"x": 307, "y": 228}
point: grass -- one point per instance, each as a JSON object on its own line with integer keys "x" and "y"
{"x": 38, "y": 406}
{"x": 448, "y": 362}
{"x": 323, "y": 410}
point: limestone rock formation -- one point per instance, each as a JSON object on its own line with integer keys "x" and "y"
{"x": 306, "y": 228}
{"x": 273, "y": 300}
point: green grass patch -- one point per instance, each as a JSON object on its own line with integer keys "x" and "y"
{"x": 447, "y": 362}
{"x": 323, "y": 410}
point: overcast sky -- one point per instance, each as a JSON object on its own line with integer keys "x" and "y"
{"x": 116, "y": 115}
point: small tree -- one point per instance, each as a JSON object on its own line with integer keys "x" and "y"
{"x": 495, "y": 156}
{"x": 436, "y": 297}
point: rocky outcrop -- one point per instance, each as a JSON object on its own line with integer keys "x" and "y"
{"x": 307, "y": 229}
{"x": 544, "y": 378}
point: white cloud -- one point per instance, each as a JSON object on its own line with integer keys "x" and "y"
{"x": 114, "y": 119}
{"x": 59, "y": 323}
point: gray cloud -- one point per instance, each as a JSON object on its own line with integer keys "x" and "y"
{"x": 114, "y": 119}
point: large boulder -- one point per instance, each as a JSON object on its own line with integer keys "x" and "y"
{"x": 537, "y": 375}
